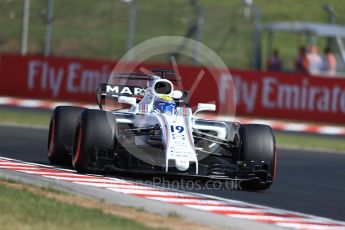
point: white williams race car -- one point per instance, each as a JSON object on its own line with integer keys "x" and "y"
{"x": 159, "y": 134}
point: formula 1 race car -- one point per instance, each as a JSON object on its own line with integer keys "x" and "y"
{"x": 159, "y": 134}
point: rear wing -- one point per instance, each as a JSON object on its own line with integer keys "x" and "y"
{"x": 113, "y": 92}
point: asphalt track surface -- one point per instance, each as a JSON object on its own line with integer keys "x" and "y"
{"x": 311, "y": 182}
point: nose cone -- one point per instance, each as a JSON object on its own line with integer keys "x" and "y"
{"x": 182, "y": 165}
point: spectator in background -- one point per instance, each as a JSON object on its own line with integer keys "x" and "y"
{"x": 329, "y": 62}
{"x": 301, "y": 61}
{"x": 314, "y": 60}
{"x": 274, "y": 62}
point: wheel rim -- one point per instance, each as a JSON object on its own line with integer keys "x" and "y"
{"x": 77, "y": 151}
{"x": 51, "y": 138}
{"x": 275, "y": 162}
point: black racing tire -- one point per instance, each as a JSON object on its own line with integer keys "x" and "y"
{"x": 61, "y": 134}
{"x": 258, "y": 144}
{"x": 96, "y": 131}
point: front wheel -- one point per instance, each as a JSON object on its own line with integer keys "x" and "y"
{"x": 258, "y": 144}
{"x": 95, "y": 137}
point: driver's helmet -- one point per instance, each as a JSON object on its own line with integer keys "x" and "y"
{"x": 164, "y": 104}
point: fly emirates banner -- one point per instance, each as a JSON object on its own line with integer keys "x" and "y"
{"x": 255, "y": 93}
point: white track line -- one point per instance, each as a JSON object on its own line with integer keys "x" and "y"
{"x": 116, "y": 186}
{"x": 184, "y": 201}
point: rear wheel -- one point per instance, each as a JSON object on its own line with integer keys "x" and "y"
{"x": 61, "y": 134}
{"x": 258, "y": 144}
{"x": 95, "y": 135}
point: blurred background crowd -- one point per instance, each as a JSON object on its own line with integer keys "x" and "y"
{"x": 308, "y": 60}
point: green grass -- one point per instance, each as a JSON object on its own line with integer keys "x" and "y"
{"x": 309, "y": 141}
{"x": 99, "y": 29}
{"x": 21, "y": 209}
{"x": 174, "y": 214}
{"x": 34, "y": 118}
{"x": 24, "y": 117}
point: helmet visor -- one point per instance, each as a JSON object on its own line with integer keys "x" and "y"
{"x": 165, "y": 107}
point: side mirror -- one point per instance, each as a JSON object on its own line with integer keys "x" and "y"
{"x": 127, "y": 100}
{"x": 205, "y": 107}
{"x": 177, "y": 94}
